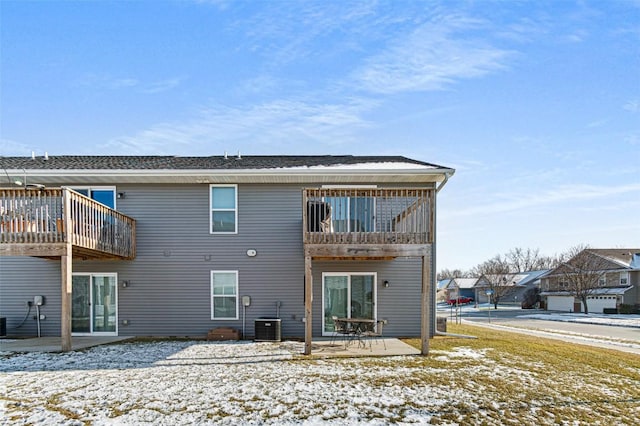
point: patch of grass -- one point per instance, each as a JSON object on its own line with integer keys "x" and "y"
{"x": 526, "y": 374}
{"x": 53, "y": 403}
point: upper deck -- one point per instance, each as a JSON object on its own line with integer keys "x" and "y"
{"x": 40, "y": 222}
{"x": 366, "y": 222}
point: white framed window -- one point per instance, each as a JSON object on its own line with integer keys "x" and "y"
{"x": 602, "y": 281}
{"x": 223, "y": 202}
{"x": 224, "y": 295}
{"x": 102, "y": 194}
{"x": 624, "y": 278}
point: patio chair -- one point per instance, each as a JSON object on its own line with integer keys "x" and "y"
{"x": 375, "y": 332}
{"x": 339, "y": 328}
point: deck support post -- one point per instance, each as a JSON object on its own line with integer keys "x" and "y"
{"x": 66, "y": 267}
{"x": 425, "y": 323}
{"x": 308, "y": 304}
{"x": 65, "y": 315}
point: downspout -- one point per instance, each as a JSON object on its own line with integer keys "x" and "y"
{"x": 434, "y": 291}
{"x": 447, "y": 175}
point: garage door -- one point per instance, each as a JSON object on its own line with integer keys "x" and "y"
{"x": 560, "y": 303}
{"x": 597, "y": 303}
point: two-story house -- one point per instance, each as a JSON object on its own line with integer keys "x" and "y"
{"x": 176, "y": 246}
{"x": 618, "y": 281}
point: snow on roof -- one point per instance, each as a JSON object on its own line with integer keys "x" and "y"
{"x": 603, "y": 291}
{"x": 466, "y": 282}
{"x": 367, "y": 166}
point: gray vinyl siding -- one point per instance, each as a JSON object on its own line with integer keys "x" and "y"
{"x": 399, "y": 304}
{"x": 22, "y": 278}
{"x": 168, "y": 291}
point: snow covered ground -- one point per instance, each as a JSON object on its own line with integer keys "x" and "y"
{"x": 229, "y": 383}
{"x": 188, "y": 383}
{"x": 600, "y": 319}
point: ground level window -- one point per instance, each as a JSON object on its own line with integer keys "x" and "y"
{"x": 224, "y": 295}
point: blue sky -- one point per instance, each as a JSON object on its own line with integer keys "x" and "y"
{"x": 535, "y": 104}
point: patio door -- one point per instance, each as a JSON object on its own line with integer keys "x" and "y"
{"x": 352, "y": 214}
{"x": 94, "y": 304}
{"x": 347, "y": 295}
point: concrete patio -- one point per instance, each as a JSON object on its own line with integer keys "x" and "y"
{"x": 379, "y": 347}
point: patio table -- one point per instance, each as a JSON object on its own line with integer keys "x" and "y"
{"x": 355, "y": 328}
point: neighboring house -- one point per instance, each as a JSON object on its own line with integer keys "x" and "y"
{"x": 463, "y": 287}
{"x": 176, "y": 246}
{"x": 619, "y": 283}
{"x": 442, "y": 292}
{"x": 515, "y": 290}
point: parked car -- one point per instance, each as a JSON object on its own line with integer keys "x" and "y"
{"x": 462, "y": 300}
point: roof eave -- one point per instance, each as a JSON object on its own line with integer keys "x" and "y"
{"x": 275, "y": 175}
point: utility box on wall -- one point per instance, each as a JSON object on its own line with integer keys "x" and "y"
{"x": 268, "y": 330}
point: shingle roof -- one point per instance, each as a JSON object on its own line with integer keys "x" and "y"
{"x": 73, "y": 162}
{"x": 622, "y": 256}
{"x": 466, "y": 282}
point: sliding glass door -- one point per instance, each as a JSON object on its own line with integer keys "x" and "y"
{"x": 94, "y": 304}
{"x": 347, "y": 295}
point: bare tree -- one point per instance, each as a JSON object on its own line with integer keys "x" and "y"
{"x": 498, "y": 274}
{"x": 448, "y": 273}
{"x": 582, "y": 272}
{"x": 522, "y": 260}
{"x": 550, "y": 262}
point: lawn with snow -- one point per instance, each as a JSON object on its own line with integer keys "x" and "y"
{"x": 600, "y": 319}
{"x": 494, "y": 379}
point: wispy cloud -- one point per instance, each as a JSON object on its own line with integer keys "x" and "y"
{"x": 632, "y": 106}
{"x": 578, "y": 36}
{"x": 9, "y": 147}
{"x": 430, "y": 58}
{"x": 597, "y": 123}
{"x": 105, "y": 81}
{"x": 287, "y": 32}
{"x": 561, "y": 194}
{"x": 108, "y": 82}
{"x": 276, "y": 126}
{"x": 162, "y": 86}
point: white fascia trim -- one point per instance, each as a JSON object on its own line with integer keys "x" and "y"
{"x": 235, "y": 172}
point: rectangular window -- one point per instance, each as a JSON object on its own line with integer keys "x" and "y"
{"x": 602, "y": 281}
{"x": 624, "y": 278}
{"x": 104, "y": 195}
{"x": 224, "y": 295}
{"x": 224, "y": 210}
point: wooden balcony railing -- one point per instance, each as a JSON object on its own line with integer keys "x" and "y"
{"x": 368, "y": 216}
{"x": 39, "y": 217}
